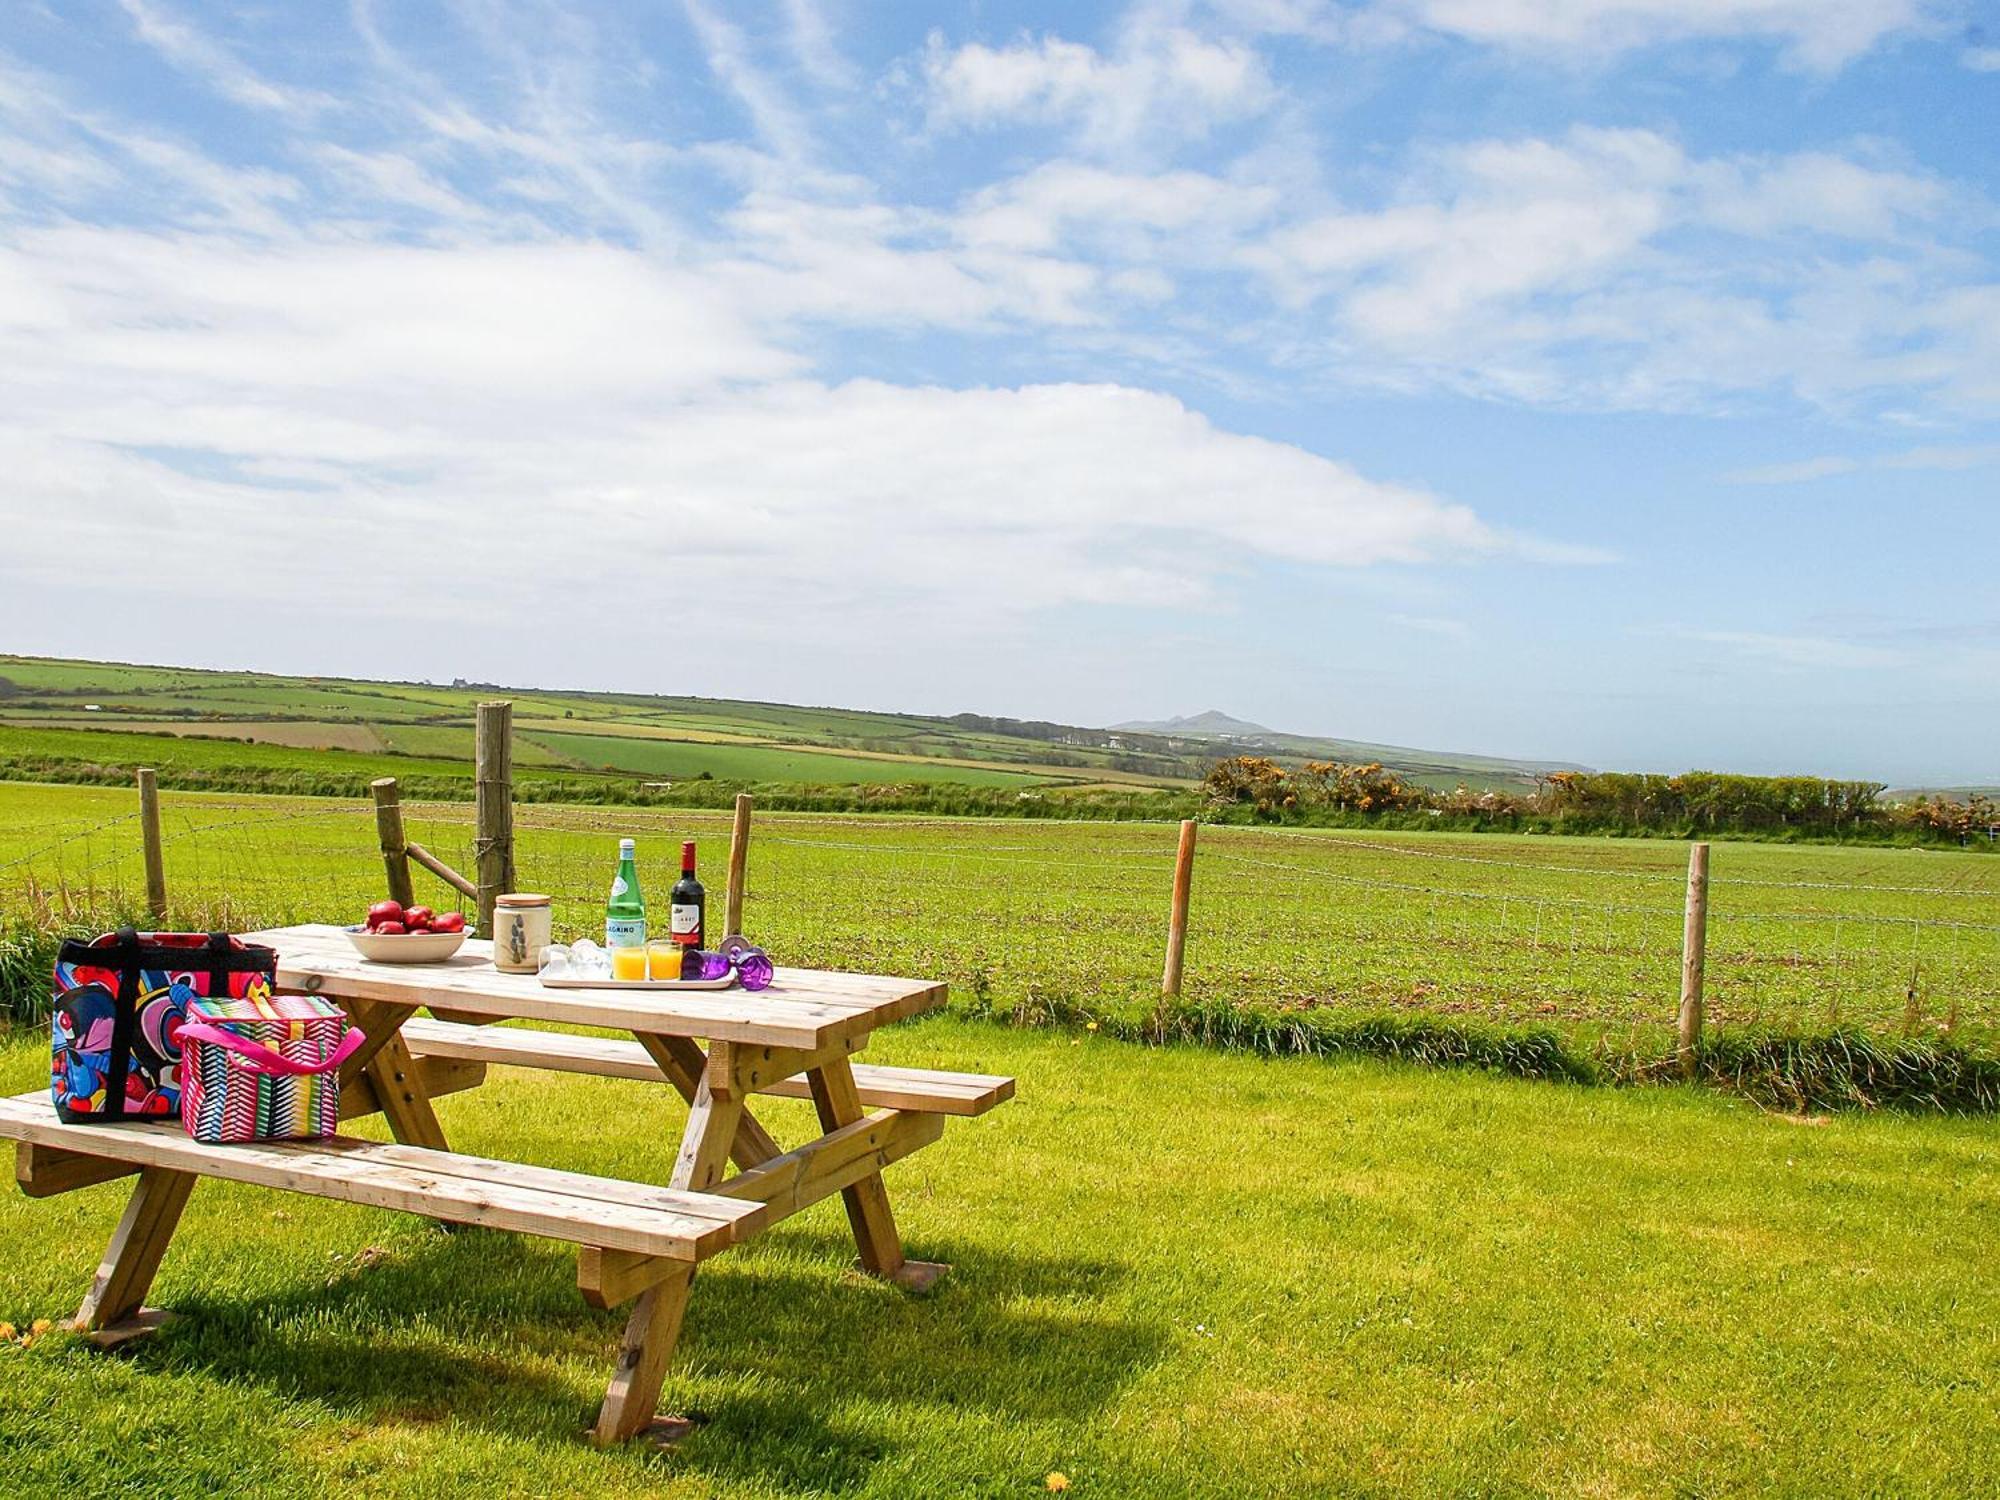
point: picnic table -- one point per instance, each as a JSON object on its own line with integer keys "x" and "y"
{"x": 637, "y": 1242}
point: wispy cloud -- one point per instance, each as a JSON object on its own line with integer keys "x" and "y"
{"x": 1819, "y": 35}
{"x": 1824, "y": 653}
{"x": 1939, "y": 458}
{"x": 194, "y": 52}
{"x": 1801, "y": 471}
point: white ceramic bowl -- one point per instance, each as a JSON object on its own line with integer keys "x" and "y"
{"x": 405, "y": 947}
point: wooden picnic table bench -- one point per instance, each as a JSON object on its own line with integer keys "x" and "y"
{"x": 636, "y": 1242}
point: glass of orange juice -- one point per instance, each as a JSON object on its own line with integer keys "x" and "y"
{"x": 628, "y": 963}
{"x": 665, "y": 960}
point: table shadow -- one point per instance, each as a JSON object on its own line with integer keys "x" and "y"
{"x": 453, "y": 1327}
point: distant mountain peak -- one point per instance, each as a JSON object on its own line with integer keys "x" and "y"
{"x": 1211, "y": 724}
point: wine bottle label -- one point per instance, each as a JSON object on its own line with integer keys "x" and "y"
{"x": 625, "y": 932}
{"x": 686, "y": 918}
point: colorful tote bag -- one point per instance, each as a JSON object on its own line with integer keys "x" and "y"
{"x": 120, "y": 1002}
{"x": 265, "y": 1068}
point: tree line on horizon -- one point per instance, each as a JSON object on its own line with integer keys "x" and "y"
{"x": 1692, "y": 802}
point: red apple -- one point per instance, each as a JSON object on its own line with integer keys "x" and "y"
{"x": 384, "y": 911}
{"x": 448, "y": 921}
{"x": 418, "y": 918}
{"x": 390, "y": 929}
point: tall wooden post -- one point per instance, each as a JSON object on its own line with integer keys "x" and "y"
{"x": 739, "y": 854}
{"x": 1170, "y": 981}
{"x": 149, "y": 831}
{"x": 1694, "y": 957}
{"x": 494, "y": 769}
{"x": 395, "y": 845}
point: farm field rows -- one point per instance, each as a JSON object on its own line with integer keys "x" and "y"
{"x": 1581, "y": 934}
{"x": 641, "y": 735}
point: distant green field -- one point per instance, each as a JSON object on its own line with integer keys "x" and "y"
{"x": 668, "y": 759}
{"x": 777, "y": 743}
{"x": 112, "y": 747}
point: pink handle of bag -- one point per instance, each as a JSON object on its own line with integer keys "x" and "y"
{"x": 258, "y": 1058}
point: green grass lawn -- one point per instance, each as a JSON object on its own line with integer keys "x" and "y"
{"x": 1176, "y": 1273}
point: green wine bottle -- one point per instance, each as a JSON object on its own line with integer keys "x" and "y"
{"x": 625, "y": 912}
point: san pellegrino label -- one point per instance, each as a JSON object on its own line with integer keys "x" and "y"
{"x": 625, "y": 912}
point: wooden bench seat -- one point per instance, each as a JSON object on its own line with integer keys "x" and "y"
{"x": 920, "y": 1089}
{"x": 597, "y": 1212}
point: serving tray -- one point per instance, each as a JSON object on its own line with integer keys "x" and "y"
{"x": 728, "y": 981}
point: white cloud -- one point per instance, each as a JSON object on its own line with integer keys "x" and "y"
{"x": 866, "y": 263}
{"x": 813, "y": 44}
{"x": 1041, "y": 209}
{"x": 1608, "y": 267}
{"x": 225, "y": 403}
{"x": 1981, "y": 59}
{"x": 1815, "y": 192}
{"x": 1170, "y": 80}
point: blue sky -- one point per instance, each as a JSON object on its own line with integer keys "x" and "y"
{"x": 1615, "y": 381}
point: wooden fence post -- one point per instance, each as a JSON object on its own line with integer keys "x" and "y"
{"x": 149, "y": 831}
{"x": 1694, "y": 957}
{"x": 494, "y": 843}
{"x": 1170, "y": 981}
{"x": 395, "y": 846}
{"x": 739, "y": 854}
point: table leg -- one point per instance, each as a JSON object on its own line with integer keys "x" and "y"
{"x": 386, "y": 1061}
{"x": 113, "y": 1307}
{"x": 633, "y": 1397}
{"x": 868, "y": 1214}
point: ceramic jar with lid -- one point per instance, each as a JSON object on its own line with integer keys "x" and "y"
{"x": 522, "y": 922}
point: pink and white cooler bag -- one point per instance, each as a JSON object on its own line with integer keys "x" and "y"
{"x": 263, "y": 1068}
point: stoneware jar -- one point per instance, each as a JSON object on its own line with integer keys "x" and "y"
{"x": 521, "y": 924}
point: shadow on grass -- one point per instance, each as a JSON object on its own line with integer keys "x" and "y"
{"x": 465, "y": 1327}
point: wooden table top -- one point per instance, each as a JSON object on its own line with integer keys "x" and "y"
{"x": 805, "y": 1008}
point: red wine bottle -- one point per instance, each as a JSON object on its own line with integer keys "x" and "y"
{"x": 690, "y": 903}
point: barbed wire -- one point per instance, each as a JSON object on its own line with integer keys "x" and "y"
{"x": 1434, "y": 890}
{"x": 1342, "y": 841}
{"x": 62, "y": 843}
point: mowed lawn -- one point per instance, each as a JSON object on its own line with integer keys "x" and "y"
{"x": 1177, "y": 1273}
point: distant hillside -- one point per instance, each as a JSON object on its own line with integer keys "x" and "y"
{"x": 1212, "y": 724}
{"x": 1215, "y": 734}
{"x": 63, "y": 709}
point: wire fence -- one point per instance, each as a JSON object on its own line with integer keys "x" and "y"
{"x": 1588, "y": 939}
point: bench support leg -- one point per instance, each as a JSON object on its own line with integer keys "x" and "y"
{"x": 682, "y": 1061}
{"x": 633, "y": 1397}
{"x": 838, "y": 1103}
{"x": 126, "y": 1273}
